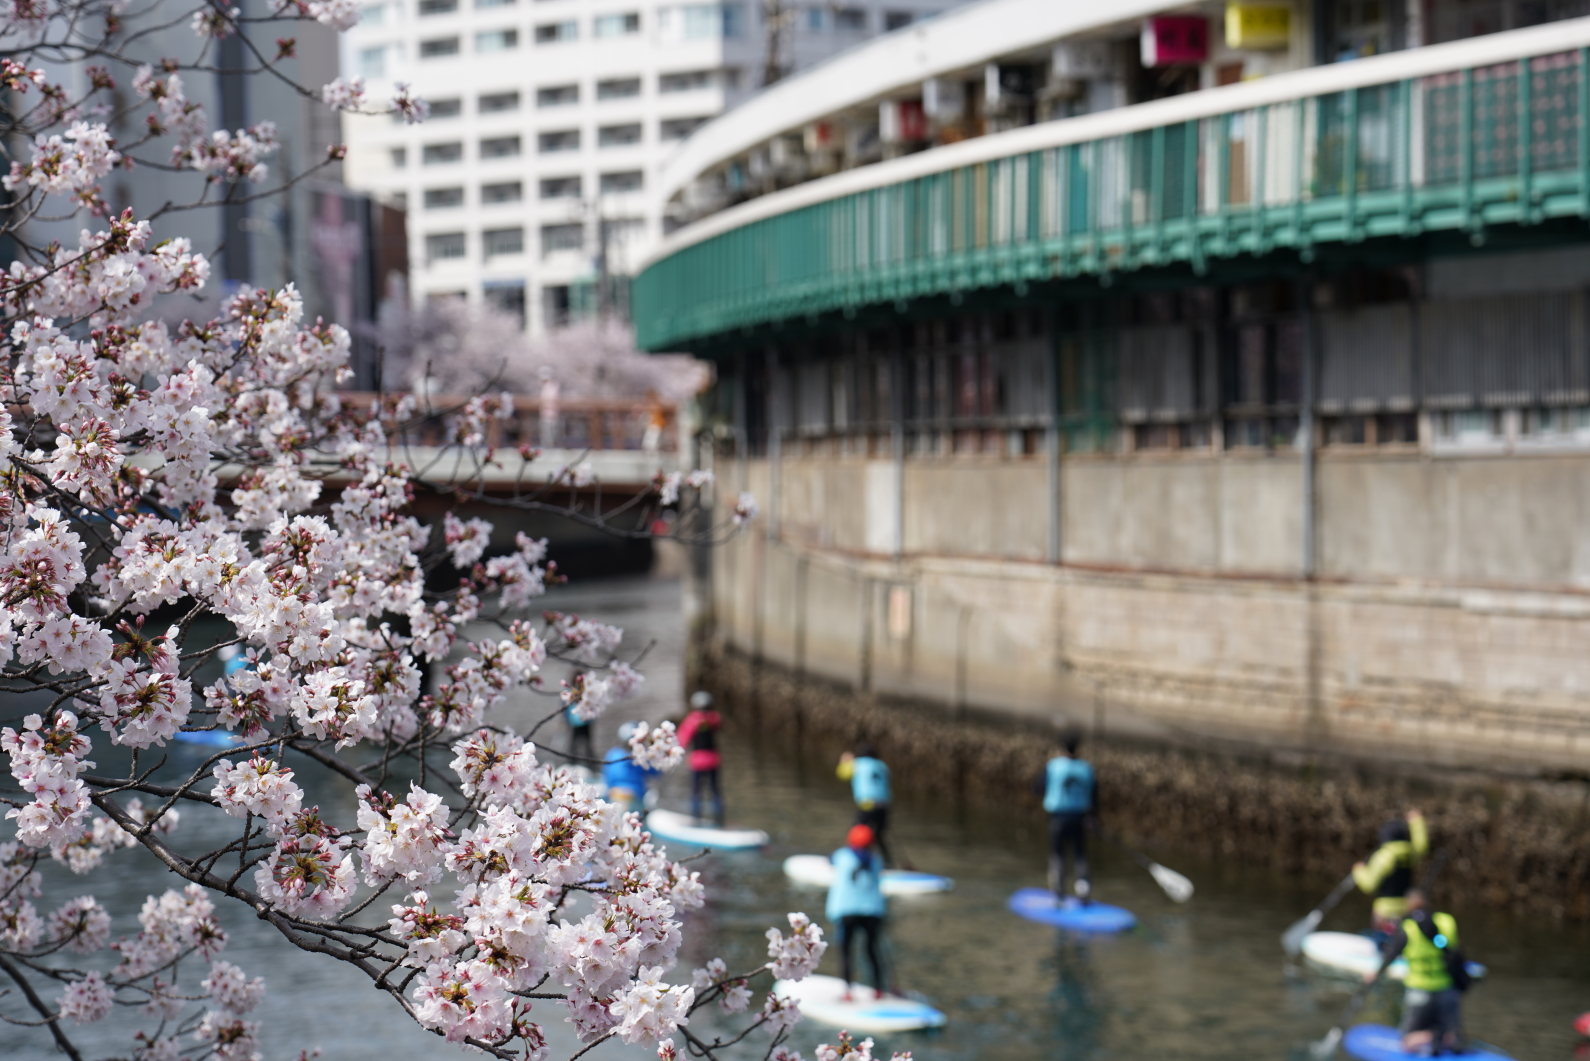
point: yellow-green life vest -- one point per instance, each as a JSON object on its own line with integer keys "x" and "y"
{"x": 1426, "y": 963}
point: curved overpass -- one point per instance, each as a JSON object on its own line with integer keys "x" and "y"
{"x": 1444, "y": 138}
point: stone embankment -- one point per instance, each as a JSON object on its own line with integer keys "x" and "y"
{"x": 1505, "y": 841}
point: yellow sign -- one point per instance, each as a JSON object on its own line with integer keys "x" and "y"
{"x": 1258, "y": 26}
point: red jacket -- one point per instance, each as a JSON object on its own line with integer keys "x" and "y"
{"x": 699, "y": 733}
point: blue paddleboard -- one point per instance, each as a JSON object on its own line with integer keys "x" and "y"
{"x": 210, "y": 738}
{"x": 1376, "y": 1042}
{"x": 1041, "y": 905}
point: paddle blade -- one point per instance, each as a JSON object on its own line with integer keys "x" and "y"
{"x": 1179, "y": 888}
{"x": 1292, "y": 938}
{"x": 1325, "y": 1049}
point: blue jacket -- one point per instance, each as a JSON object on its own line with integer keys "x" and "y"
{"x": 869, "y": 783}
{"x": 619, "y": 771}
{"x": 1068, "y": 786}
{"x": 857, "y": 890}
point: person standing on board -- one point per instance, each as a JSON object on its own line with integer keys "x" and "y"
{"x": 1071, "y": 796}
{"x": 699, "y": 735}
{"x": 869, "y": 787}
{"x": 1432, "y": 1007}
{"x": 626, "y": 780}
{"x": 856, "y": 904}
{"x": 580, "y": 738}
{"x": 1389, "y": 872}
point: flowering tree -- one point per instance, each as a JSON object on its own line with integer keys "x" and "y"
{"x": 169, "y": 494}
{"x": 455, "y": 348}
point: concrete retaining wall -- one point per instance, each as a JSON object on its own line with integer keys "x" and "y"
{"x": 1449, "y": 622}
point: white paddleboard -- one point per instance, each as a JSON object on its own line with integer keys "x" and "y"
{"x": 821, "y": 999}
{"x": 683, "y": 829}
{"x": 1358, "y": 956}
{"x": 818, "y": 872}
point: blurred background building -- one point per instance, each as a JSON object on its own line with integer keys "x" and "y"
{"x": 530, "y": 187}
{"x": 1223, "y": 369}
{"x": 346, "y": 254}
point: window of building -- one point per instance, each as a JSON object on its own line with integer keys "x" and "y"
{"x": 557, "y": 32}
{"x": 816, "y": 19}
{"x": 444, "y": 108}
{"x": 439, "y": 48}
{"x": 560, "y": 188}
{"x": 498, "y": 102}
{"x": 560, "y": 140}
{"x": 483, "y": 4}
{"x": 500, "y": 147}
{"x": 443, "y": 198}
{"x": 618, "y": 135}
{"x": 679, "y": 128}
{"x": 372, "y": 15}
{"x": 399, "y": 200}
{"x": 556, "y": 305}
{"x": 687, "y": 81}
{"x": 507, "y": 296}
{"x": 556, "y": 238}
{"x": 630, "y": 180}
{"x": 618, "y": 88}
{"x": 496, "y": 40}
{"x": 372, "y": 61}
{"x": 445, "y": 245}
{"x": 437, "y": 154}
{"x": 615, "y": 25}
{"x": 505, "y": 192}
{"x": 557, "y": 95}
{"x": 850, "y": 19}
{"x": 500, "y": 241}
{"x": 893, "y": 20}
{"x": 623, "y": 230}
{"x": 437, "y": 7}
{"x": 399, "y": 157}
{"x": 1469, "y": 427}
{"x": 700, "y": 21}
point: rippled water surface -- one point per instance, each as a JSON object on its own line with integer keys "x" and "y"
{"x": 1204, "y": 980}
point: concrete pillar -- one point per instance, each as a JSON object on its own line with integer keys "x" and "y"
{"x": 1052, "y": 441}
{"x": 897, "y": 445}
{"x": 775, "y": 444}
{"x": 1306, "y": 424}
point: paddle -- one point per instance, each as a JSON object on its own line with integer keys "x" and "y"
{"x": 1292, "y": 938}
{"x": 1325, "y": 1048}
{"x": 1179, "y": 888}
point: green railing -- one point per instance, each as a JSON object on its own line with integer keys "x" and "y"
{"x": 1482, "y": 144}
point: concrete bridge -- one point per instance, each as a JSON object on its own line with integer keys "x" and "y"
{"x": 587, "y": 456}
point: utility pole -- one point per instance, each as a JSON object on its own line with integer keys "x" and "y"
{"x": 604, "y": 299}
{"x": 777, "y": 17}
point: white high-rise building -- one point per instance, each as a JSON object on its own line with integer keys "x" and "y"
{"x": 528, "y": 185}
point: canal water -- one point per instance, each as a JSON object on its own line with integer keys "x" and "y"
{"x": 1204, "y": 980}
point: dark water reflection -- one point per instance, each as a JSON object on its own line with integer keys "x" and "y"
{"x": 1203, "y": 981}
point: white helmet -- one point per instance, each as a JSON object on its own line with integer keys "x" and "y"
{"x": 701, "y": 700}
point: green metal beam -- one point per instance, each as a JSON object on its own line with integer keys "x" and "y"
{"x": 1466, "y": 156}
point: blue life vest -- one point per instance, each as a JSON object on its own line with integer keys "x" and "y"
{"x": 857, "y": 890}
{"x": 869, "y": 784}
{"x": 619, "y": 771}
{"x": 1069, "y": 788}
